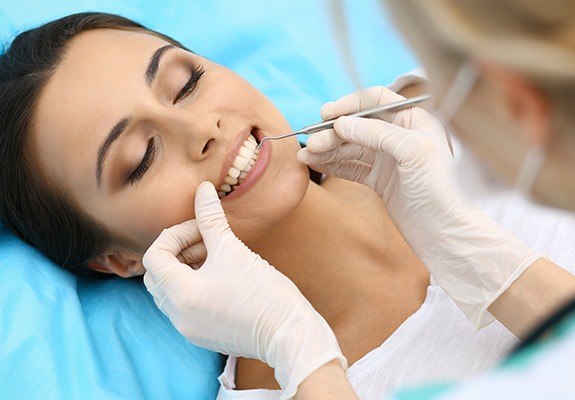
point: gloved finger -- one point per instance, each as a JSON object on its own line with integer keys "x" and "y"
{"x": 355, "y": 171}
{"x": 168, "y": 285}
{"x": 194, "y": 255}
{"x": 323, "y": 141}
{"x": 357, "y": 101}
{"x": 165, "y": 249}
{"x": 210, "y": 216}
{"x": 347, "y": 151}
{"x": 377, "y": 135}
{"x": 197, "y": 265}
{"x": 418, "y": 118}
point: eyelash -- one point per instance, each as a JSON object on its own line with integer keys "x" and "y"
{"x": 145, "y": 164}
{"x": 188, "y": 88}
{"x": 191, "y": 84}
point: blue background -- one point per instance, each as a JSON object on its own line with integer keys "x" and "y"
{"x": 284, "y": 48}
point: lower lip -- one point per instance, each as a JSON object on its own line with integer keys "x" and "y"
{"x": 257, "y": 170}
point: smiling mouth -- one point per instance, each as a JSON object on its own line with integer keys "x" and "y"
{"x": 241, "y": 167}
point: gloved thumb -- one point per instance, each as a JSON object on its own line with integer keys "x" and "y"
{"x": 210, "y": 216}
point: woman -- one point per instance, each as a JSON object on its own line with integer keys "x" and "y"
{"x": 504, "y": 70}
{"x": 108, "y": 133}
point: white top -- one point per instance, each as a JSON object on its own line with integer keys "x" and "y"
{"x": 435, "y": 343}
{"x": 547, "y": 374}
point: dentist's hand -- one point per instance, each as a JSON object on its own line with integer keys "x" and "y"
{"x": 408, "y": 163}
{"x": 236, "y": 303}
{"x": 356, "y": 149}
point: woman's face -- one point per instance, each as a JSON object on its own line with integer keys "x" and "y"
{"x": 115, "y": 105}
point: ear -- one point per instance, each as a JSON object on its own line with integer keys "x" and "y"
{"x": 527, "y": 104}
{"x": 122, "y": 263}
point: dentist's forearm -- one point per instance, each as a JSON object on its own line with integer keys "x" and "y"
{"x": 534, "y": 296}
{"x": 328, "y": 382}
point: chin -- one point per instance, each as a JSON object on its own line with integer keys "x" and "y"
{"x": 277, "y": 197}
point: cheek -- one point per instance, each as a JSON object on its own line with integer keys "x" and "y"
{"x": 142, "y": 215}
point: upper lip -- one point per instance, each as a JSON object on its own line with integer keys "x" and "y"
{"x": 232, "y": 153}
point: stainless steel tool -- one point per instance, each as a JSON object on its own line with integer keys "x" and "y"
{"x": 370, "y": 113}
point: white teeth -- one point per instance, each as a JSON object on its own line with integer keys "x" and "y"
{"x": 234, "y": 172}
{"x": 231, "y": 181}
{"x": 251, "y": 146}
{"x": 242, "y": 165}
{"x": 245, "y": 152}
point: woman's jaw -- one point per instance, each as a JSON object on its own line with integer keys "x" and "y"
{"x": 269, "y": 195}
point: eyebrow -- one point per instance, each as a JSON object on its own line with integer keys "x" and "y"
{"x": 114, "y": 134}
{"x": 152, "y": 69}
{"x": 120, "y": 127}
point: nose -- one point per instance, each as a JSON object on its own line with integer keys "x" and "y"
{"x": 197, "y": 132}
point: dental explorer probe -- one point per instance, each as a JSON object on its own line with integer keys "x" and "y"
{"x": 369, "y": 113}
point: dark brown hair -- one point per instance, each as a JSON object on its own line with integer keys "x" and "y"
{"x": 31, "y": 206}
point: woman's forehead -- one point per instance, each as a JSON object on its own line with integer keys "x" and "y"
{"x": 100, "y": 76}
{"x": 102, "y": 59}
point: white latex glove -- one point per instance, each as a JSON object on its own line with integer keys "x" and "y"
{"x": 408, "y": 163}
{"x": 236, "y": 303}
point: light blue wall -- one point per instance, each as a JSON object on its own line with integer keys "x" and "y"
{"x": 285, "y": 48}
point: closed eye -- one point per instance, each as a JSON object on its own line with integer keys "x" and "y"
{"x": 145, "y": 164}
{"x": 191, "y": 84}
{"x": 150, "y": 153}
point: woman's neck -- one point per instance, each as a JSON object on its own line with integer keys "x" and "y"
{"x": 345, "y": 255}
{"x": 339, "y": 247}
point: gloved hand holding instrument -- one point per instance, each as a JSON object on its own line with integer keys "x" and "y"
{"x": 407, "y": 161}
